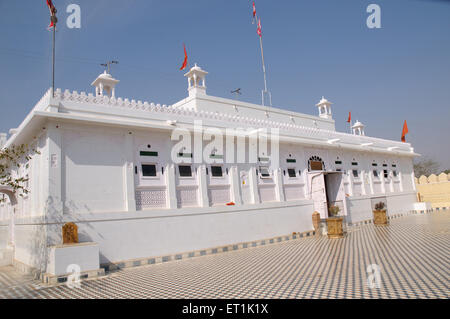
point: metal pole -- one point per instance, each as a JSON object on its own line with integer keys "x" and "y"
{"x": 53, "y": 63}
{"x": 264, "y": 69}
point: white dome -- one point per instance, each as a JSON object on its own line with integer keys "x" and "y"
{"x": 323, "y": 101}
{"x": 358, "y": 124}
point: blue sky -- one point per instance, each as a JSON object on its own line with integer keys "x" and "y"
{"x": 312, "y": 48}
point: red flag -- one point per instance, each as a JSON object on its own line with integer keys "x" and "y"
{"x": 349, "y": 117}
{"x": 52, "y": 9}
{"x": 254, "y": 12}
{"x": 258, "y": 30}
{"x": 185, "y": 59}
{"x": 404, "y": 132}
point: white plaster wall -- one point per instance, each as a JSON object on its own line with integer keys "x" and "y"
{"x": 31, "y": 245}
{"x": 93, "y": 169}
{"x": 124, "y": 236}
{"x": 3, "y": 234}
{"x": 359, "y": 209}
{"x": 401, "y": 202}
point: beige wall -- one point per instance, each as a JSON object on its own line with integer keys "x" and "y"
{"x": 434, "y": 189}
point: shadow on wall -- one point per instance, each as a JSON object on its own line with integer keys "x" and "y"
{"x": 34, "y": 239}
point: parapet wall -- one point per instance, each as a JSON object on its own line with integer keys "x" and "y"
{"x": 434, "y": 189}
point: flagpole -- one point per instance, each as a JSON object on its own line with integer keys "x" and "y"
{"x": 264, "y": 72}
{"x": 263, "y": 63}
{"x": 53, "y": 60}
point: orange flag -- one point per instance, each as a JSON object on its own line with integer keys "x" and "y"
{"x": 185, "y": 59}
{"x": 404, "y": 132}
{"x": 258, "y": 29}
{"x": 349, "y": 117}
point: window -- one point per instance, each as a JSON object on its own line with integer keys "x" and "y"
{"x": 375, "y": 173}
{"x": 355, "y": 173}
{"x": 394, "y": 173}
{"x": 185, "y": 170}
{"x": 292, "y": 172}
{"x": 355, "y": 163}
{"x": 386, "y": 173}
{"x": 216, "y": 171}
{"x": 338, "y": 162}
{"x": 374, "y": 164}
{"x": 264, "y": 170}
{"x": 148, "y": 170}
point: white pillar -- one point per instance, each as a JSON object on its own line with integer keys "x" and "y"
{"x": 279, "y": 193}
{"x": 363, "y": 182}
{"x": 305, "y": 181}
{"x": 399, "y": 174}
{"x": 171, "y": 186}
{"x": 254, "y": 185}
{"x": 235, "y": 185}
{"x": 350, "y": 181}
{"x": 203, "y": 186}
{"x": 413, "y": 182}
{"x": 130, "y": 191}
{"x": 371, "y": 182}
{"x": 383, "y": 183}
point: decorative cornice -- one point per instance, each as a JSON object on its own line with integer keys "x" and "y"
{"x": 288, "y": 128}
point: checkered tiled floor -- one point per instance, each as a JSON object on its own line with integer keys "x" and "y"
{"x": 413, "y": 254}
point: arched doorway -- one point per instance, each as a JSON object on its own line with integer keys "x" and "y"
{"x": 12, "y": 210}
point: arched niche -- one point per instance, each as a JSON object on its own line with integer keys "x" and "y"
{"x": 10, "y": 194}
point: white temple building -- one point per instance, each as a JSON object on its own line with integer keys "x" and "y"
{"x": 124, "y": 172}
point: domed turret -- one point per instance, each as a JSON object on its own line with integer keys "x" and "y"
{"x": 105, "y": 83}
{"x": 324, "y": 108}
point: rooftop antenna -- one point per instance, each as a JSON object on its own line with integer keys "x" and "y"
{"x": 107, "y": 65}
{"x": 237, "y": 92}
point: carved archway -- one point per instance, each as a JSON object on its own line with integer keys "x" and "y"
{"x": 8, "y": 192}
